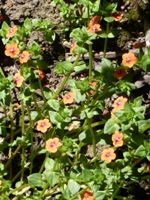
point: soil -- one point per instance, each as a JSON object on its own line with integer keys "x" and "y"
{"x": 132, "y": 32}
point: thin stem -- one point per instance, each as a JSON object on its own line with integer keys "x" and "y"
{"x": 31, "y": 138}
{"x": 1, "y": 72}
{"x": 23, "y": 132}
{"x": 12, "y": 135}
{"x": 43, "y": 191}
{"x": 93, "y": 137}
{"x": 41, "y": 88}
{"x": 85, "y": 127}
{"x": 117, "y": 190}
{"x": 90, "y": 61}
{"x": 43, "y": 164}
{"x": 106, "y": 40}
{"x": 65, "y": 79}
{"x": 21, "y": 187}
{"x": 12, "y": 156}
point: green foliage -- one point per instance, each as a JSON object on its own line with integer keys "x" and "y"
{"x": 56, "y": 138}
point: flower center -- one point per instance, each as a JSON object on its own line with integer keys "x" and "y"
{"x": 43, "y": 124}
{"x": 16, "y": 80}
{"x": 86, "y": 196}
{"x": 128, "y": 59}
{"x": 22, "y": 55}
{"x": 107, "y": 154}
{"x": 94, "y": 29}
{"x": 11, "y": 30}
{"x": 117, "y": 138}
{"x": 119, "y": 71}
{"x": 119, "y": 103}
{"x": 53, "y": 144}
{"x": 12, "y": 50}
{"x": 68, "y": 96}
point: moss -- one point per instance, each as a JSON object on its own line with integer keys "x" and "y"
{"x": 124, "y": 36}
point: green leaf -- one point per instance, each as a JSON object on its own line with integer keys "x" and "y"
{"x": 49, "y": 164}
{"x": 33, "y": 114}
{"x": 143, "y": 125}
{"x": 35, "y": 179}
{"x": 73, "y": 186}
{"x": 51, "y": 177}
{"x": 140, "y": 151}
{"x": 81, "y": 50}
{"x": 111, "y": 126}
{"x": 84, "y": 2}
{"x": 50, "y": 36}
{"x": 100, "y": 195}
{"x": 103, "y": 34}
{"x": 108, "y": 19}
{"x": 106, "y": 63}
{"x": 5, "y": 26}
{"x": 27, "y": 24}
{"x": 68, "y": 66}
{"x": 145, "y": 63}
{"x": 36, "y": 22}
{"x": 53, "y": 103}
{"x": 87, "y": 174}
{"x": 52, "y": 116}
{"x": 85, "y": 137}
{"x": 137, "y": 101}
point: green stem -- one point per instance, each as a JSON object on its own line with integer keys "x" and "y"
{"x": 90, "y": 61}
{"x": 31, "y": 138}
{"x": 77, "y": 154}
{"x": 65, "y": 79}
{"x": 85, "y": 127}
{"x": 1, "y": 72}
{"x": 117, "y": 190}
{"x": 43, "y": 164}
{"x": 12, "y": 156}
{"x": 106, "y": 40}
{"x": 23, "y": 134}
{"x": 93, "y": 137}
{"x": 41, "y": 88}
{"x": 21, "y": 187}
{"x": 43, "y": 191}
{"x": 12, "y": 135}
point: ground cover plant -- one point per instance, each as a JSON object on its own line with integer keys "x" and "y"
{"x": 47, "y": 135}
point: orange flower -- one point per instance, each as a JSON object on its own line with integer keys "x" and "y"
{"x": 73, "y": 125}
{"x": 73, "y": 46}
{"x": 129, "y": 59}
{"x": 18, "y": 79}
{"x": 95, "y": 28}
{"x": 16, "y": 105}
{"x": 87, "y": 195}
{"x": 43, "y": 125}
{"x": 120, "y": 73}
{"x": 112, "y": 112}
{"x": 94, "y": 20}
{"x": 40, "y": 73}
{"x": 108, "y": 155}
{"x": 117, "y": 139}
{"x": 116, "y": 16}
{"x": 148, "y": 168}
{"x": 24, "y": 57}
{"x": 119, "y": 103}
{"x": 11, "y": 50}
{"x": 11, "y": 32}
{"x": 53, "y": 144}
{"x": 68, "y": 98}
{"x": 94, "y": 84}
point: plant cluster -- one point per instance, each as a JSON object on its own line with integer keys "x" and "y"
{"x": 70, "y": 121}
